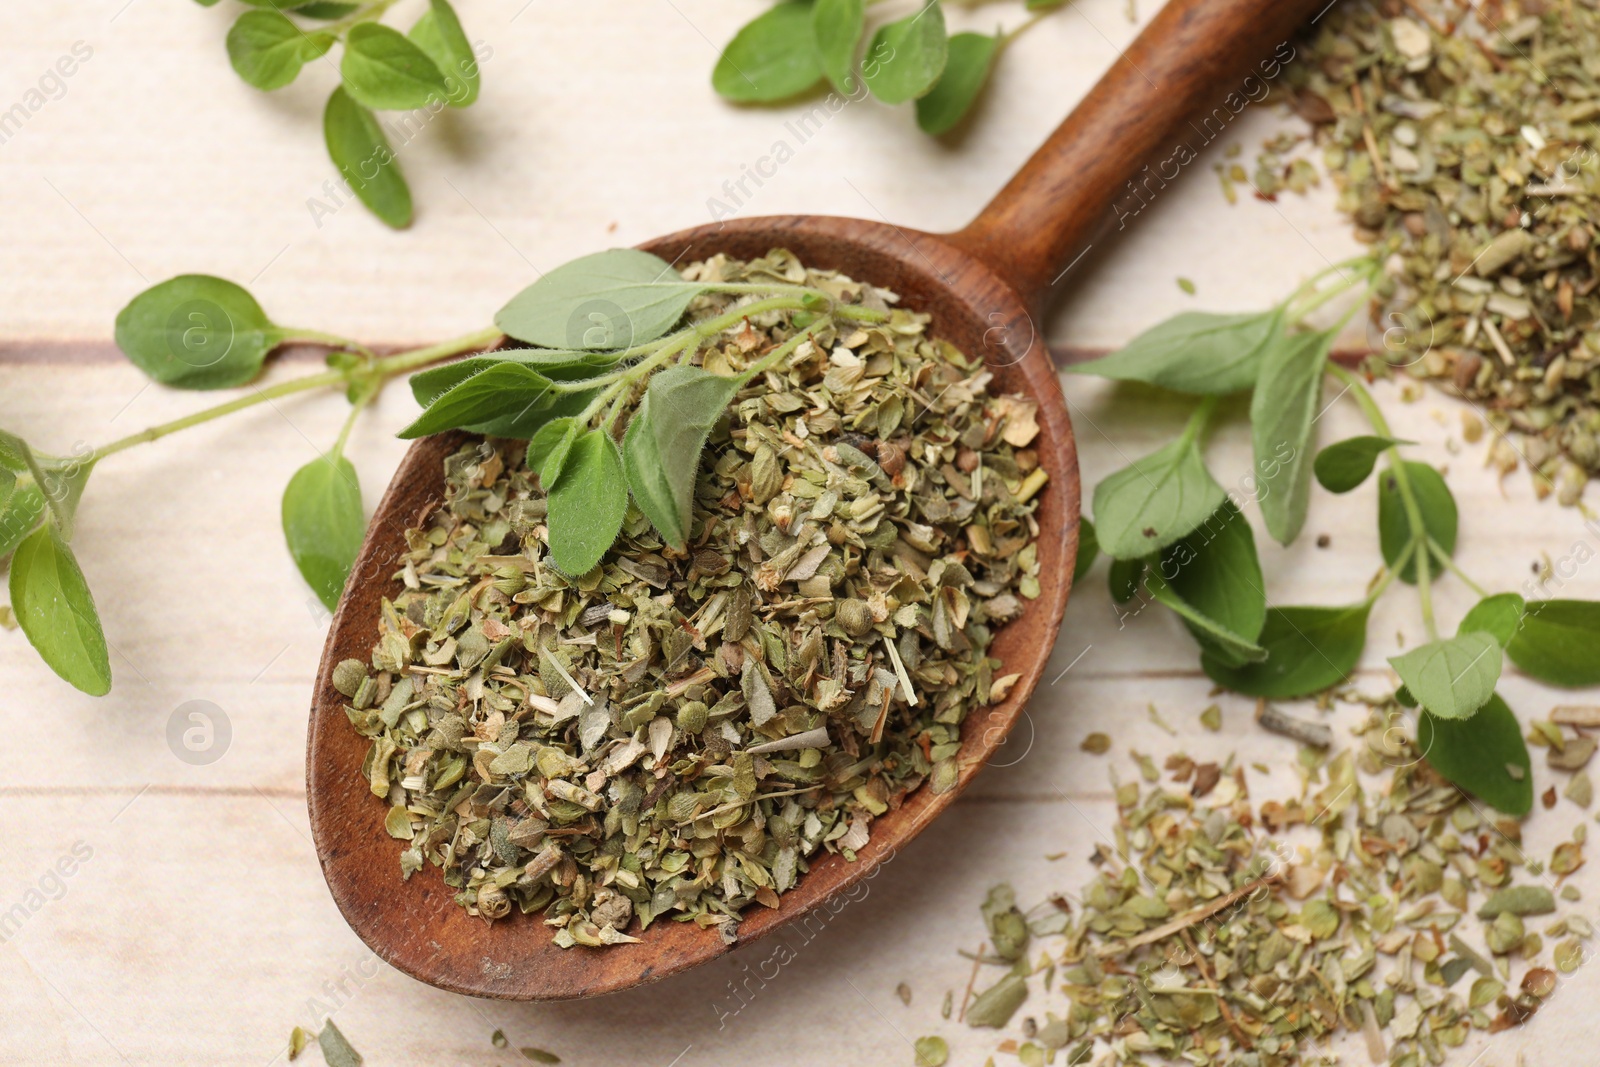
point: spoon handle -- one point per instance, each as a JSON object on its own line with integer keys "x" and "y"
{"x": 1180, "y": 85}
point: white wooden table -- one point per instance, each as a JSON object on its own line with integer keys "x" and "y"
{"x": 195, "y": 927}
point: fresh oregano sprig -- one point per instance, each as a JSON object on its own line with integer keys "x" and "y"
{"x": 190, "y": 332}
{"x": 432, "y": 66}
{"x": 1175, "y": 533}
{"x": 608, "y": 352}
{"x": 798, "y": 45}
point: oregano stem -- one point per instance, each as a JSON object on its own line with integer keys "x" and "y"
{"x": 1402, "y": 482}
{"x": 1389, "y": 575}
{"x": 380, "y": 370}
{"x": 1444, "y": 557}
{"x": 317, "y": 337}
{"x": 1198, "y": 420}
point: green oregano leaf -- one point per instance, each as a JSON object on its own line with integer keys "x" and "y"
{"x": 58, "y": 481}
{"x": 1484, "y": 755}
{"x": 53, "y": 606}
{"x": 587, "y": 503}
{"x": 1500, "y": 615}
{"x": 20, "y": 514}
{"x": 907, "y": 56}
{"x": 384, "y": 70}
{"x": 1345, "y": 464}
{"x": 267, "y": 50}
{"x": 1196, "y": 352}
{"x": 505, "y": 391}
{"x": 609, "y": 300}
{"x": 427, "y": 385}
{"x": 360, "y": 150}
{"x": 197, "y": 332}
{"x": 1283, "y": 423}
{"x": 439, "y": 34}
{"x": 548, "y": 449}
{"x": 1452, "y": 677}
{"x": 1215, "y": 572}
{"x": 1088, "y": 550}
{"x": 1308, "y": 650}
{"x": 837, "y": 26}
{"x": 1217, "y": 639}
{"x": 663, "y": 444}
{"x": 1439, "y": 516}
{"x": 1124, "y": 578}
{"x": 1559, "y": 642}
{"x": 324, "y": 524}
{"x": 773, "y": 57}
{"x": 326, "y": 10}
{"x": 1154, "y": 501}
{"x": 965, "y": 73}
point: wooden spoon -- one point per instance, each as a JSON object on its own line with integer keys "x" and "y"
{"x": 984, "y": 287}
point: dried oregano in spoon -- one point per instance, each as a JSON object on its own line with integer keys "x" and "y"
{"x": 673, "y": 726}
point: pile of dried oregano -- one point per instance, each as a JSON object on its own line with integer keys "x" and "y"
{"x": 673, "y": 734}
{"x": 1221, "y": 932}
{"x": 1461, "y": 138}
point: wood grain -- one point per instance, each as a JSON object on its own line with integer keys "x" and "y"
{"x": 983, "y": 289}
{"x": 1141, "y": 124}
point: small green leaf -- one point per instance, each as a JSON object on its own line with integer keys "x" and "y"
{"x": 1559, "y": 642}
{"x": 1345, "y": 464}
{"x": 1283, "y": 424}
{"x": 325, "y": 9}
{"x": 267, "y": 50}
{"x": 1125, "y": 577}
{"x": 837, "y": 26}
{"x": 56, "y": 481}
{"x": 608, "y": 300}
{"x": 1088, "y": 550}
{"x": 53, "y": 606}
{"x": 1452, "y": 677}
{"x": 385, "y": 71}
{"x": 587, "y": 506}
{"x": 8, "y": 485}
{"x": 1308, "y": 650}
{"x": 505, "y": 391}
{"x": 438, "y": 33}
{"x": 429, "y": 384}
{"x": 907, "y": 57}
{"x": 359, "y": 149}
{"x": 965, "y": 73}
{"x": 20, "y": 515}
{"x": 1476, "y": 753}
{"x": 1215, "y": 572}
{"x": 324, "y": 524}
{"x": 773, "y": 57}
{"x": 1196, "y": 352}
{"x": 663, "y": 445}
{"x": 1154, "y": 501}
{"x": 1500, "y": 615}
{"x": 1216, "y": 640}
{"x": 196, "y": 332}
{"x": 548, "y": 449}
{"x": 1438, "y": 509}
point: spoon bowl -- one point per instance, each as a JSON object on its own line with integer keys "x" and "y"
{"x": 983, "y": 287}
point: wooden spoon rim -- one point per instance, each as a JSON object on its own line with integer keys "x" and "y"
{"x": 415, "y": 925}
